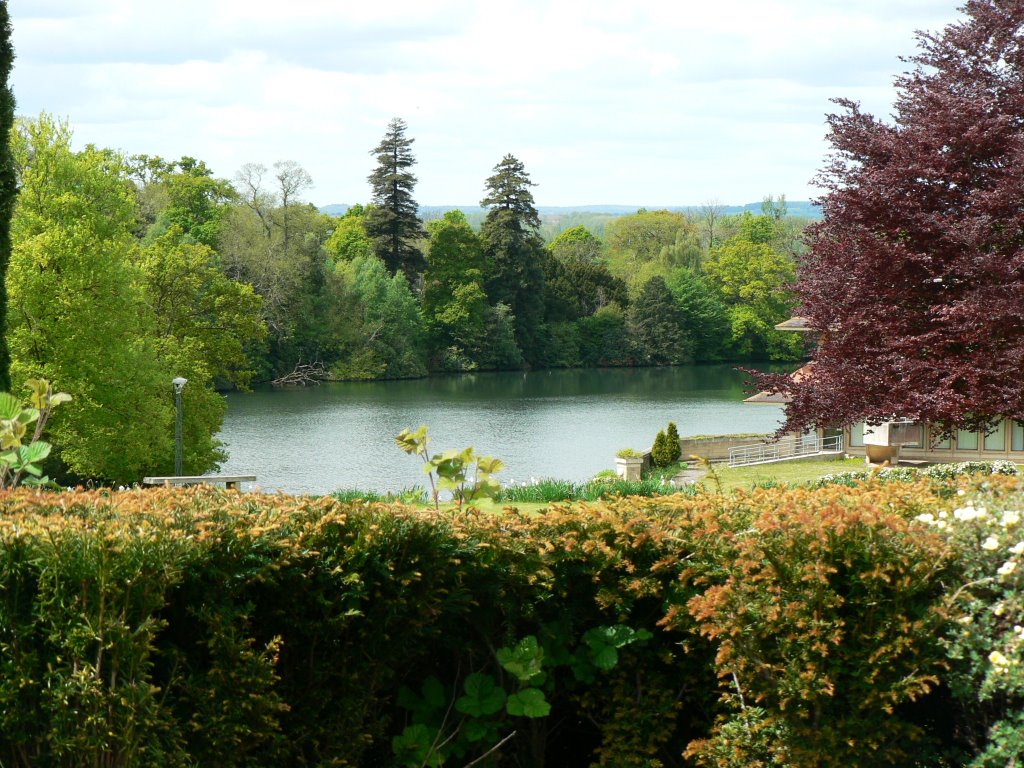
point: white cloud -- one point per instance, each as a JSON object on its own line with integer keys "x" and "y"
{"x": 653, "y": 104}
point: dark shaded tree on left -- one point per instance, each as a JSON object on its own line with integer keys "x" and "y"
{"x": 8, "y": 185}
{"x": 393, "y": 224}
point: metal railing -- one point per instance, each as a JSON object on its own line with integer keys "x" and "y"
{"x": 786, "y": 448}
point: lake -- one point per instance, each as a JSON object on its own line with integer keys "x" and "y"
{"x": 563, "y": 424}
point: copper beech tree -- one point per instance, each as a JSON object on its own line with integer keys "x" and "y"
{"x": 914, "y": 280}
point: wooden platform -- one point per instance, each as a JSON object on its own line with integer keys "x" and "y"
{"x": 229, "y": 481}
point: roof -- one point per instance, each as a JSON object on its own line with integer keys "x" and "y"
{"x": 777, "y": 398}
{"x": 798, "y": 324}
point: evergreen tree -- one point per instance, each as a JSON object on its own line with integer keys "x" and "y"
{"x": 661, "y": 453}
{"x": 658, "y": 326}
{"x": 672, "y": 436}
{"x": 8, "y": 186}
{"x": 392, "y": 223}
{"x": 515, "y": 253}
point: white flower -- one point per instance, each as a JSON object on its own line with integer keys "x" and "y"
{"x": 941, "y": 524}
{"x": 960, "y": 492}
{"x": 1010, "y": 517}
{"x": 998, "y": 609}
{"x": 966, "y": 619}
{"x": 998, "y": 659}
{"x": 1018, "y": 629}
{"x": 943, "y": 515}
{"x": 1007, "y": 568}
{"x": 927, "y": 517}
{"x": 990, "y": 543}
{"x": 968, "y": 513}
{"x": 1018, "y": 548}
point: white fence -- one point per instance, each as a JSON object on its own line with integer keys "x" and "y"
{"x": 786, "y": 448}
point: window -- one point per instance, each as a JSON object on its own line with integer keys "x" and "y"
{"x": 941, "y": 445}
{"x": 966, "y": 441}
{"x": 857, "y": 435}
{"x": 1017, "y": 437}
{"x": 996, "y": 441}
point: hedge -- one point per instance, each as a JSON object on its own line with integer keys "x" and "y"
{"x": 203, "y": 627}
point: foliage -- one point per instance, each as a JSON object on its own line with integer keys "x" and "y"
{"x": 661, "y": 451}
{"x": 939, "y": 472}
{"x": 200, "y": 626}
{"x": 515, "y": 255}
{"x": 629, "y": 453}
{"x": 657, "y": 326}
{"x": 8, "y": 186}
{"x": 649, "y": 244}
{"x": 349, "y": 238}
{"x": 604, "y": 338}
{"x": 930, "y": 201}
{"x": 20, "y": 456}
{"x": 78, "y": 312}
{"x": 392, "y": 223}
{"x": 672, "y": 433}
{"x": 382, "y": 324}
{"x": 466, "y": 475}
{"x": 547, "y": 490}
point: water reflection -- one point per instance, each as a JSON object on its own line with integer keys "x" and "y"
{"x": 566, "y": 424}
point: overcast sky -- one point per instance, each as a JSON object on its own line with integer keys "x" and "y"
{"x": 656, "y": 103}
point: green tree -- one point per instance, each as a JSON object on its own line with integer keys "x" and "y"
{"x": 8, "y": 186}
{"x": 515, "y": 255}
{"x": 658, "y": 328}
{"x": 753, "y": 279}
{"x": 577, "y": 288}
{"x": 393, "y": 223}
{"x": 603, "y": 338}
{"x": 349, "y": 238}
{"x": 79, "y": 316}
{"x": 706, "y": 317}
{"x": 650, "y": 243}
{"x": 576, "y": 244}
{"x": 388, "y": 335}
{"x": 454, "y": 300}
{"x": 275, "y": 242}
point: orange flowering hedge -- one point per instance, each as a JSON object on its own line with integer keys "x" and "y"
{"x": 183, "y": 627}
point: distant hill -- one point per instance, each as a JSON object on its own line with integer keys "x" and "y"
{"x": 803, "y": 208}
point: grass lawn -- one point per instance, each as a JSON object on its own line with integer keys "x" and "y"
{"x": 782, "y": 472}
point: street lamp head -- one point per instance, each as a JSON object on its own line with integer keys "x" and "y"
{"x": 179, "y": 384}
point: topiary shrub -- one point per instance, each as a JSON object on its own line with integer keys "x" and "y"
{"x": 661, "y": 452}
{"x": 672, "y": 435}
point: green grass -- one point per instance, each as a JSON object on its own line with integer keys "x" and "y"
{"x": 782, "y": 473}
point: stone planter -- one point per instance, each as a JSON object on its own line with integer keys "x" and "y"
{"x": 630, "y": 467}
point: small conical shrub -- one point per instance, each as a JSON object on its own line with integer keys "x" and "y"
{"x": 661, "y": 452}
{"x": 672, "y": 437}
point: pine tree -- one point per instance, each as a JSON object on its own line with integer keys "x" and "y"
{"x": 393, "y": 224}
{"x": 8, "y": 186}
{"x": 515, "y": 253}
{"x": 658, "y": 326}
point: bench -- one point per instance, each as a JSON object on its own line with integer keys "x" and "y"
{"x": 230, "y": 481}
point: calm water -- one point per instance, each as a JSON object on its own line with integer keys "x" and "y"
{"x": 564, "y": 424}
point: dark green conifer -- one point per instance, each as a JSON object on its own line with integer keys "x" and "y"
{"x": 661, "y": 454}
{"x": 672, "y": 437}
{"x": 393, "y": 223}
{"x": 8, "y": 185}
{"x": 515, "y": 254}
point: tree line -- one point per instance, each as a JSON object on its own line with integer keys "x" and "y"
{"x": 127, "y": 271}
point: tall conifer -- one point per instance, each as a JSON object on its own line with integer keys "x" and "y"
{"x": 515, "y": 254}
{"x": 393, "y": 223}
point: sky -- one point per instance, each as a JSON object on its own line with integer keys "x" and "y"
{"x": 656, "y": 103}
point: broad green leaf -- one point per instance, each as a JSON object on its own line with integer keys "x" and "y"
{"x": 40, "y": 392}
{"x": 604, "y": 657}
{"x": 433, "y": 693}
{"x": 10, "y": 406}
{"x": 58, "y": 398}
{"x": 36, "y": 451}
{"x": 476, "y": 730}
{"x": 414, "y": 747}
{"x": 524, "y": 660}
{"x": 489, "y": 465}
{"x": 529, "y": 702}
{"x": 483, "y": 696}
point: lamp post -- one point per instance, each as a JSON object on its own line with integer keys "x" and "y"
{"x": 179, "y": 384}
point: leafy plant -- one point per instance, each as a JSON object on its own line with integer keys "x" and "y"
{"x": 628, "y": 453}
{"x": 19, "y": 456}
{"x": 465, "y": 474}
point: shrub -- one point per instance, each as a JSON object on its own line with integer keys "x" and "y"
{"x": 199, "y": 626}
{"x": 672, "y": 435}
{"x": 661, "y": 452}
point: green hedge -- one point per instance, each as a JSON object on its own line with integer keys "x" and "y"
{"x": 202, "y": 627}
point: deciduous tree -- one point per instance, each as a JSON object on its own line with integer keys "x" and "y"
{"x": 915, "y": 276}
